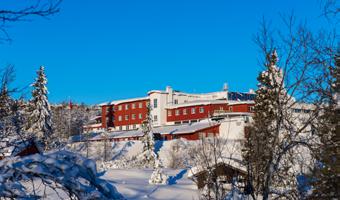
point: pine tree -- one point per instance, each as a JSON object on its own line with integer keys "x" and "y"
{"x": 327, "y": 175}
{"x": 263, "y": 151}
{"x": 148, "y": 154}
{"x": 40, "y": 113}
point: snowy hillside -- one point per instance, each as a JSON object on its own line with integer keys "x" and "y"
{"x": 133, "y": 184}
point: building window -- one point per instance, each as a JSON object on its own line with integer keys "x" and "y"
{"x": 127, "y": 127}
{"x": 140, "y": 115}
{"x": 155, "y": 102}
{"x": 201, "y": 110}
{"x": 140, "y": 105}
{"x": 120, "y": 128}
{"x": 176, "y": 112}
{"x": 176, "y": 101}
{"x": 133, "y": 106}
{"x": 120, "y": 107}
{"x": 211, "y": 134}
{"x": 201, "y": 135}
{"x": 169, "y": 113}
{"x": 184, "y": 111}
{"x": 251, "y": 108}
{"x": 155, "y": 118}
{"x": 133, "y": 116}
{"x": 193, "y": 110}
{"x": 119, "y": 118}
{"x": 126, "y": 117}
{"x": 134, "y": 126}
{"x": 126, "y": 106}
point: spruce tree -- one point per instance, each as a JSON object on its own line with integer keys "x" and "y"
{"x": 40, "y": 113}
{"x": 149, "y": 155}
{"x": 327, "y": 174}
{"x": 264, "y": 144}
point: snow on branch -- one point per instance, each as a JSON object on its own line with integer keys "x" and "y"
{"x": 60, "y": 171}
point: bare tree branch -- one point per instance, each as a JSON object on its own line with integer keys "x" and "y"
{"x": 37, "y": 8}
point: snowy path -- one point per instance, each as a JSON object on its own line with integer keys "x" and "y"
{"x": 133, "y": 184}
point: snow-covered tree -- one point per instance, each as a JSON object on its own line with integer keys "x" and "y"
{"x": 268, "y": 151}
{"x": 158, "y": 177}
{"x": 327, "y": 172}
{"x": 40, "y": 112}
{"x": 11, "y": 118}
{"x": 69, "y": 120}
{"x": 148, "y": 155}
{"x": 58, "y": 175}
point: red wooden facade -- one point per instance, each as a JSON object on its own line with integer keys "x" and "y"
{"x": 196, "y": 135}
{"x": 207, "y": 132}
{"x": 123, "y": 114}
{"x": 187, "y": 113}
{"x": 131, "y": 114}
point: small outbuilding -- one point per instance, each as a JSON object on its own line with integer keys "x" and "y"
{"x": 222, "y": 172}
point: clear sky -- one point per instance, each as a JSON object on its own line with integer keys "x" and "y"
{"x": 101, "y": 50}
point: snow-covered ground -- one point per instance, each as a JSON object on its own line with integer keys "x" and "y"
{"x": 133, "y": 184}
{"x": 131, "y": 178}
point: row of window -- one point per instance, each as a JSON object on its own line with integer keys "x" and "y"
{"x": 185, "y": 111}
{"x": 301, "y": 111}
{"x": 133, "y": 106}
{"x": 128, "y": 127}
{"x": 133, "y": 117}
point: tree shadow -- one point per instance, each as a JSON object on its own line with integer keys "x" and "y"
{"x": 158, "y": 145}
{"x": 173, "y": 179}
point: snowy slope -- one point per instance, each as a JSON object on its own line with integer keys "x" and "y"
{"x": 133, "y": 184}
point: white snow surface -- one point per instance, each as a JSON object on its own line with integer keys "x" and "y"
{"x": 134, "y": 184}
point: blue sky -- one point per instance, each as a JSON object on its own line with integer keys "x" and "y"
{"x": 101, "y": 50}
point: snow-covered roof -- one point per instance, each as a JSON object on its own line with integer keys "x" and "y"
{"x": 96, "y": 117}
{"x": 304, "y": 106}
{"x": 78, "y": 138}
{"x": 184, "y": 128}
{"x": 232, "y": 156}
{"x": 240, "y": 102}
{"x": 234, "y": 163}
{"x": 98, "y": 125}
{"x": 208, "y": 102}
{"x": 128, "y": 100}
{"x": 198, "y": 102}
{"x": 157, "y": 91}
{"x": 104, "y": 103}
{"x": 170, "y": 129}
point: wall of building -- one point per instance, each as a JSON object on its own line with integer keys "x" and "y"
{"x": 130, "y": 115}
{"x": 233, "y": 128}
{"x": 242, "y": 107}
{"x": 186, "y": 114}
{"x": 115, "y": 119}
{"x": 158, "y": 112}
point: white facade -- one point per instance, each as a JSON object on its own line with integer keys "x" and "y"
{"x": 160, "y": 100}
{"x": 233, "y": 127}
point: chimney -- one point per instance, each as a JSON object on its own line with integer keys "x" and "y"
{"x": 170, "y": 94}
{"x": 225, "y": 87}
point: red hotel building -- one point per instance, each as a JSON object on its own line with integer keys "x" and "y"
{"x": 170, "y": 107}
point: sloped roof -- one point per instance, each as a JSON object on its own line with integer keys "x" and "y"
{"x": 197, "y": 102}
{"x": 128, "y": 100}
{"x": 171, "y": 129}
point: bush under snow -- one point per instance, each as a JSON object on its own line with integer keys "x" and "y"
{"x": 64, "y": 173}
